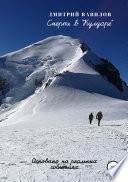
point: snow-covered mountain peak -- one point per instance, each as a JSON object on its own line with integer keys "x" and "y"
{"x": 38, "y": 61}
{"x": 57, "y": 46}
{"x": 62, "y": 75}
{"x": 34, "y": 65}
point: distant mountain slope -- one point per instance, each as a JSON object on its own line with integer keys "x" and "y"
{"x": 40, "y": 61}
{"x": 65, "y": 80}
{"x": 45, "y": 59}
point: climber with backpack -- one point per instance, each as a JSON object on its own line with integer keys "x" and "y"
{"x": 91, "y": 117}
{"x": 99, "y": 116}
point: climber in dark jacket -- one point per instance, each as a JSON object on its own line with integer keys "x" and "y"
{"x": 90, "y": 117}
{"x": 99, "y": 116}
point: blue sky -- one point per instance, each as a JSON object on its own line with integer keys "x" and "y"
{"x": 23, "y": 22}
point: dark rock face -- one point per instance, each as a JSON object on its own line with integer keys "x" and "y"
{"x": 83, "y": 47}
{"x": 4, "y": 88}
{"x": 125, "y": 84}
{"x": 108, "y": 70}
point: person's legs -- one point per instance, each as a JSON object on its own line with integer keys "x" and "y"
{"x": 90, "y": 121}
{"x": 99, "y": 122}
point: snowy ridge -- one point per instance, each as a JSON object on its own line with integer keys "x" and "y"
{"x": 70, "y": 84}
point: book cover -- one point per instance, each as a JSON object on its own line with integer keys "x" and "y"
{"x": 63, "y": 90}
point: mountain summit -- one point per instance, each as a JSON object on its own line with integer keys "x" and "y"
{"x": 55, "y": 78}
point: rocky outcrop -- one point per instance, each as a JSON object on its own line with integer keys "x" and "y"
{"x": 4, "y": 88}
{"x": 108, "y": 70}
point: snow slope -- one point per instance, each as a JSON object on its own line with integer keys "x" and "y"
{"x": 71, "y": 88}
{"x": 51, "y": 121}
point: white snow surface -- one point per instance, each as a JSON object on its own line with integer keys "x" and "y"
{"x": 52, "y": 121}
{"x": 80, "y": 142}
